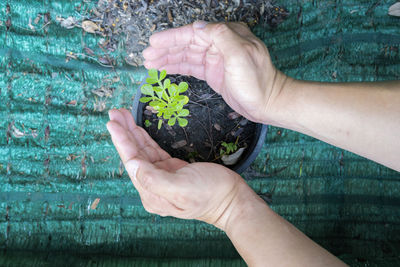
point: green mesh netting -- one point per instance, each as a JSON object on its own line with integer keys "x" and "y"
{"x": 56, "y": 157}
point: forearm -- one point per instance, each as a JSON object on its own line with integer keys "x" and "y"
{"x": 263, "y": 238}
{"x": 363, "y": 118}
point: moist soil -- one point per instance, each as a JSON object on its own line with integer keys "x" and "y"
{"x": 210, "y": 122}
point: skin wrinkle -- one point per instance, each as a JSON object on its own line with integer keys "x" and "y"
{"x": 232, "y": 195}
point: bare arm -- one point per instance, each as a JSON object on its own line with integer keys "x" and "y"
{"x": 263, "y": 238}
{"x": 213, "y": 194}
{"x": 363, "y": 118}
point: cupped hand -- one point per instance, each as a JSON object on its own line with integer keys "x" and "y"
{"x": 170, "y": 186}
{"x": 234, "y": 62}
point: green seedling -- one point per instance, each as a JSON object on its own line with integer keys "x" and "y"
{"x": 165, "y": 98}
{"x": 230, "y": 148}
{"x": 147, "y": 123}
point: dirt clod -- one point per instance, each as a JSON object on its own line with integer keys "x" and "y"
{"x": 217, "y": 127}
{"x": 233, "y": 115}
{"x": 179, "y": 144}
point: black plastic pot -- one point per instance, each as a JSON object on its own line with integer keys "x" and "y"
{"x": 248, "y": 156}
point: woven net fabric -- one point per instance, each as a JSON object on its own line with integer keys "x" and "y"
{"x": 65, "y": 198}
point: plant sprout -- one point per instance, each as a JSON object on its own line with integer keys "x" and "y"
{"x": 147, "y": 123}
{"x": 165, "y": 98}
{"x": 230, "y": 148}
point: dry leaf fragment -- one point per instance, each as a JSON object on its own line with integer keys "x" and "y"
{"x": 30, "y": 25}
{"x": 104, "y": 61}
{"x": 88, "y": 51}
{"x": 151, "y": 109}
{"x": 243, "y": 122}
{"x": 234, "y": 158}
{"x": 179, "y": 144}
{"x": 83, "y": 165}
{"x": 95, "y": 203}
{"x": 90, "y": 26}
{"x": 47, "y": 133}
{"x": 72, "y": 103}
{"x": 68, "y": 23}
{"x": 217, "y": 127}
{"x": 169, "y": 14}
{"x": 37, "y": 19}
{"x": 233, "y": 115}
{"x": 16, "y": 132}
{"x": 394, "y": 10}
{"x": 104, "y": 91}
{"x": 34, "y": 133}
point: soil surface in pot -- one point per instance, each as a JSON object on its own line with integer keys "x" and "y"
{"x": 211, "y": 122}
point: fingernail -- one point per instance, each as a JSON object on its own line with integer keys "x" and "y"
{"x": 200, "y": 24}
{"x": 109, "y": 114}
{"x": 132, "y": 167}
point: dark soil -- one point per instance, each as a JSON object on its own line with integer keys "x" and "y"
{"x": 211, "y": 122}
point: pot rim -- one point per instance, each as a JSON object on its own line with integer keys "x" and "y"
{"x": 244, "y": 162}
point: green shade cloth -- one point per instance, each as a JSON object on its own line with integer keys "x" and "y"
{"x": 56, "y": 156}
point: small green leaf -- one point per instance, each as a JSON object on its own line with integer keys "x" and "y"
{"x": 185, "y": 100}
{"x": 145, "y": 99}
{"x": 159, "y": 124}
{"x": 182, "y": 122}
{"x": 158, "y": 89}
{"x": 151, "y": 80}
{"x": 153, "y": 73}
{"x": 159, "y": 94}
{"x": 183, "y": 86}
{"x": 173, "y": 105}
{"x": 147, "y": 123}
{"x": 178, "y": 106}
{"x": 179, "y": 98}
{"x": 167, "y": 114}
{"x": 164, "y": 96}
{"x": 183, "y": 112}
{"x": 147, "y": 89}
{"x": 171, "y": 122}
{"x": 173, "y": 89}
{"x": 167, "y": 83}
{"x": 163, "y": 73}
{"x": 156, "y": 104}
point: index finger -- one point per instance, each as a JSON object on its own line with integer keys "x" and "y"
{"x": 173, "y": 37}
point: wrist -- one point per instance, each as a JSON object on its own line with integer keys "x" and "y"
{"x": 245, "y": 205}
{"x": 280, "y": 107}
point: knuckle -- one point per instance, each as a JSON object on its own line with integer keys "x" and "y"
{"x": 259, "y": 46}
{"x": 221, "y": 28}
{"x": 250, "y": 47}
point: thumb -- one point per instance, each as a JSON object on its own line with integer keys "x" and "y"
{"x": 147, "y": 176}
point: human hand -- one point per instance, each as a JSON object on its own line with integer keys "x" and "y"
{"x": 234, "y": 62}
{"x": 170, "y": 186}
